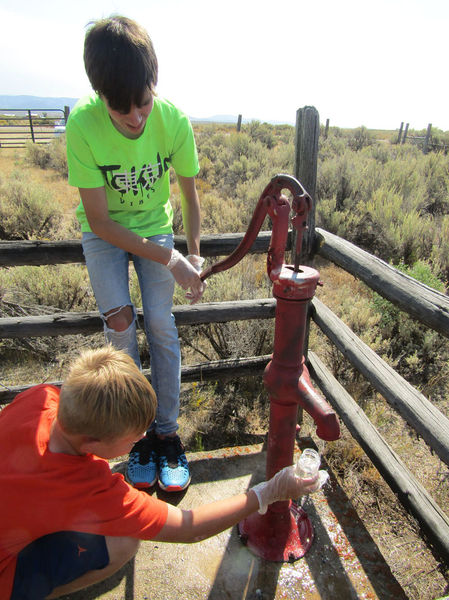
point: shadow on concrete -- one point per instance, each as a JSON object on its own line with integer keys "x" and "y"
{"x": 263, "y": 580}
{"x": 359, "y": 539}
{"x": 343, "y": 562}
{"x": 126, "y": 573}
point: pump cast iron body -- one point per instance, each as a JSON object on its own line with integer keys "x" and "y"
{"x": 285, "y": 532}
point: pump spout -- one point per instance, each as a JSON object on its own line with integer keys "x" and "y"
{"x": 328, "y": 427}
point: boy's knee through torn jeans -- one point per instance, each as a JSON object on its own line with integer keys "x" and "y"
{"x": 108, "y": 268}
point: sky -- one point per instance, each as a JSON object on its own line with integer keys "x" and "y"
{"x": 358, "y": 62}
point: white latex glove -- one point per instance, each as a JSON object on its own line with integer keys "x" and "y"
{"x": 285, "y": 485}
{"x": 196, "y": 261}
{"x": 186, "y": 276}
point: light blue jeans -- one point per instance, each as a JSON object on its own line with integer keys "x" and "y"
{"x": 108, "y": 268}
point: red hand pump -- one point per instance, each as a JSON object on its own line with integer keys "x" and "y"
{"x": 284, "y": 533}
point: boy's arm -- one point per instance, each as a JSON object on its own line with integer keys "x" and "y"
{"x": 191, "y": 214}
{"x": 96, "y": 209}
{"x": 209, "y": 519}
{"x": 184, "y": 526}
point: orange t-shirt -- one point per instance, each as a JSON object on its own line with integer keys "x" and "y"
{"x": 42, "y": 492}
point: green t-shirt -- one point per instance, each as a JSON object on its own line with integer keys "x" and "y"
{"x": 134, "y": 172}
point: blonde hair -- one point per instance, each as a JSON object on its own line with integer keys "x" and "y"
{"x": 105, "y": 396}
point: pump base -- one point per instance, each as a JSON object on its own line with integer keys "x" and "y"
{"x": 278, "y": 536}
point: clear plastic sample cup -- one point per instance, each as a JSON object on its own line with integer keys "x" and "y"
{"x": 308, "y": 464}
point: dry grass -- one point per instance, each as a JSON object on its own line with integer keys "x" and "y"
{"x": 13, "y": 160}
{"x": 397, "y": 534}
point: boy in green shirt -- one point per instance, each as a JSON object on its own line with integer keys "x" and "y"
{"x": 121, "y": 142}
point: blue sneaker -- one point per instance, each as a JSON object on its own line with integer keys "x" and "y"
{"x": 174, "y": 475}
{"x": 141, "y": 471}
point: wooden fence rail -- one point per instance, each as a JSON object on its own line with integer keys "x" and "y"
{"x": 15, "y": 254}
{"x": 73, "y": 323}
{"x": 409, "y": 491}
{"x": 423, "y": 303}
{"x": 218, "y": 370}
{"x": 415, "y": 408}
{"x": 418, "y": 300}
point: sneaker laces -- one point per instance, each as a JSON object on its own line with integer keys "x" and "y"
{"x": 143, "y": 448}
{"x": 171, "y": 449}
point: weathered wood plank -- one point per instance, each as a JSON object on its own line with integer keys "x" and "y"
{"x": 221, "y": 370}
{"x": 71, "y": 323}
{"x": 420, "y": 301}
{"x": 13, "y": 254}
{"x": 305, "y": 167}
{"x": 409, "y": 491}
{"x": 415, "y": 408}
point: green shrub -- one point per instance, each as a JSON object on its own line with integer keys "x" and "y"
{"x": 360, "y": 138}
{"x": 420, "y": 354}
{"x": 58, "y": 155}
{"x": 63, "y": 287}
{"x": 397, "y": 234}
{"x": 248, "y": 279}
{"x": 390, "y": 200}
{"x": 440, "y": 250}
{"x": 259, "y": 132}
{"x": 228, "y": 162}
{"x": 49, "y": 156}
{"x": 27, "y": 211}
{"x": 38, "y": 154}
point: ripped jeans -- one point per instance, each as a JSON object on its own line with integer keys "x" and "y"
{"x": 108, "y": 268}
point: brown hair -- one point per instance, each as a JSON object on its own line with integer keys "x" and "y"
{"x": 106, "y": 396}
{"x": 120, "y": 61}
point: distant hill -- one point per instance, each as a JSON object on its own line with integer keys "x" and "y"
{"x": 219, "y": 119}
{"x": 42, "y": 103}
{"x": 216, "y": 119}
{"x": 35, "y": 102}
{"x": 233, "y": 119}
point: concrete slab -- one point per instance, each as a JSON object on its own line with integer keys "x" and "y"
{"x": 343, "y": 562}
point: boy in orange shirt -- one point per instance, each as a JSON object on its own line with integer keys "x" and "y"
{"x": 67, "y": 521}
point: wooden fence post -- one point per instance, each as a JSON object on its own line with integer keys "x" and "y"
{"x": 400, "y": 133}
{"x": 404, "y": 137}
{"x": 426, "y": 141}
{"x": 326, "y": 129}
{"x": 239, "y": 123}
{"x": 66, "y": 113}
{"x": 306, "y": 161}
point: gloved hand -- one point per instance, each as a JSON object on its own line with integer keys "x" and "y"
{"x": 284, "y": 486}
{"x": 196, "y": 261}
{"x": 186, "y": 276}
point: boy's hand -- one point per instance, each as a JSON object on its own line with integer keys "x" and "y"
{"x": 196, "y": 261}
{"x": 186, "y": 276}
{"x": 283, "y": 486}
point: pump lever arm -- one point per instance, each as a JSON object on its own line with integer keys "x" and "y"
{"x": 270, "y": 197}
{"x": 243, "y": 248}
